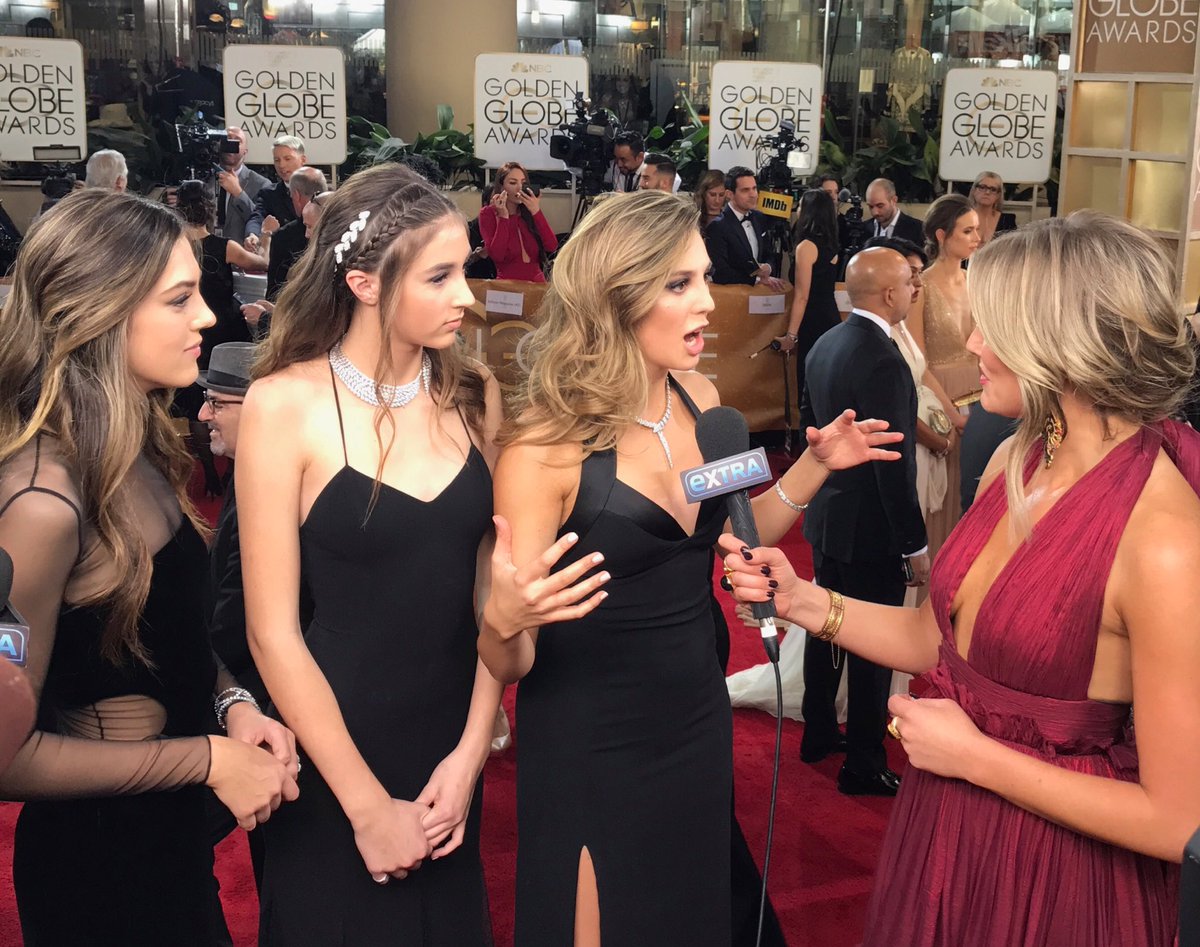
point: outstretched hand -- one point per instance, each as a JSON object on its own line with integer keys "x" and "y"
{"x": 532, "y": 596}
{"x": 845, "y": 442}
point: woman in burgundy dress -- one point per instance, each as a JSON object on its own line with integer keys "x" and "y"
{"x": 1029, "y": 816}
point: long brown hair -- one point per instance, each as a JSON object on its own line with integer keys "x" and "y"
{"x": 522, "y": 211}
{"x": 81, "y": 272}
{"x": 314, "y": 310}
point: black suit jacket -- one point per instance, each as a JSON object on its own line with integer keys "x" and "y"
{"x": 870, "y": 512}
{"x": 729, "y": 248}
{"x": 227, "y": 615}
{"x": 274, "y": 199}
{"x": 286, "y": 246}
{"x": 907, "y": 228}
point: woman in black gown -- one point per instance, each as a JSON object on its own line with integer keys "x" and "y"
{"x": 112, "y": 845}
{"x": 624, "y": 726}
{"x": 377, "y": 489}
{"x": 814, "y": 272}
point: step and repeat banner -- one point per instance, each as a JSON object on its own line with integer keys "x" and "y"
{"x": 43, "y": 114}
{"x": 521, "y": 99}
{"x": 750, "y": 102}
{"x": 998, "y": 120}
{"x": 271, "y": 91}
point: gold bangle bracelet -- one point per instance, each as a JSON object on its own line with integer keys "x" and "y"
{"x": 833, "y": 620}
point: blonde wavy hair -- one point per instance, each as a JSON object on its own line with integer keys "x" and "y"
{"x": 1085, "y": 304}
{"x": 587, "y": 379}
{"x": 82, "y": 270}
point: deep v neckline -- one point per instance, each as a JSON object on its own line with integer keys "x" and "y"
{"x": 1026, "y": 548}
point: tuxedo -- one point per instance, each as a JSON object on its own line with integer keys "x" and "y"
{"x": 728, "y": 241}
{"x": 906, "y": 228}
{"x": 275, "y": 200}
{"x": 233, "y": 213}
{"x": 288, "y": 243}
{"x": 861, "y": 524}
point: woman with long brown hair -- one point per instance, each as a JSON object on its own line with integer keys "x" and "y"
{"x": 104, "y": 320}
{"x": 516, "y": 233}
{"x": 363, "y": 471}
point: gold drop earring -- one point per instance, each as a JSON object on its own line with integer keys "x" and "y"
{"x": 1053, "y": 433}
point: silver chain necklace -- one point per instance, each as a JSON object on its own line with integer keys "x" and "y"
{"x": 658, "y": 427}
{"x": 363, "y": 386}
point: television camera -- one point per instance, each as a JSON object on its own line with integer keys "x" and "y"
{"x": 585, "y": 144}
{"x": 201, "y": 146}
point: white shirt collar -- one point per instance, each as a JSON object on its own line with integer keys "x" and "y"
{"x": 878, "y": 320}
{"x": 895, "y": 217}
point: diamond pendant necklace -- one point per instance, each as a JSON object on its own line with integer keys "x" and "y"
{"x": 363, "y": 386}
{"x": 658, "y": 427}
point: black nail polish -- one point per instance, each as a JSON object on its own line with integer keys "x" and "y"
{"x": 770, "y": 594}
{"x": 773, "y": 584}
{"x": 765, "y": 570}
{"x": 747, "y": 554}
{"x": 726, "y": 584}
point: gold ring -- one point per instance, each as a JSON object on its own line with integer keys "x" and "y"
{"x": 728, "y": 571}
{"x": 893, "y": 729}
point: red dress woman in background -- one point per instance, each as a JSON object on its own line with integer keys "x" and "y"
{"x": 515, "y": 231}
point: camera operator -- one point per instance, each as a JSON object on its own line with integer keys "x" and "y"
{"x": 737, "y": 239}
{"x": 629, "y": 162}
{"x": 274, "y": 200}
{"x": 659, "y": 174}
{"x": 235, "y": 188}
{"x": 833, "y": 187}
{"x": 107, "y": 169}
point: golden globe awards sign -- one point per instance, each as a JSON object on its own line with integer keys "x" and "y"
{"x": 288, "y": 90}
{"x": 750, "y": 100}
{"x": 1123, "y": 36}
{"x": 520, "y": 101}
{"x": 42, "y": 101}
{"x": 999, "y": 120}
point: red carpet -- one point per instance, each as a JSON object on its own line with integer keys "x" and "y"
{"x": 825, "y": 843}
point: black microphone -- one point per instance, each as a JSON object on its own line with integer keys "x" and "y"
{"x": 724, "y": 437}
{"x": 844, "y": 196}
{"x": 6, "y": 578}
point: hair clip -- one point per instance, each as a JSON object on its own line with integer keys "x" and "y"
{"x": 350, "y": 236}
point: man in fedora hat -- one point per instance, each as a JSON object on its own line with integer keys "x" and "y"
{"x": 225, "y": 385}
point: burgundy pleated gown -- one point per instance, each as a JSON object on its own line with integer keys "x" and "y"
{"x": 960, "y": 865}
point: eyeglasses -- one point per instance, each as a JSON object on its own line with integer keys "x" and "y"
{"x": 215, "y": 406}
{"x": 987, "y": 188}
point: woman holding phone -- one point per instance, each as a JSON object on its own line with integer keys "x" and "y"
{"x": 516, "y": 233}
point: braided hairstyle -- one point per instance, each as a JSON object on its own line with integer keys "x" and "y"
{"x": 315, "y": 309}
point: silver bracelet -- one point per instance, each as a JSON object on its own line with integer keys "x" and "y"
{"x": 227, "y": 698}
{"x": 798, "y": 507}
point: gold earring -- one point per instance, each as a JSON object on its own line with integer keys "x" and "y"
{"x": 1054, "y": 430}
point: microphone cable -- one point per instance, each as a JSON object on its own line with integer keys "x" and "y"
{"x": 762, "y": 904}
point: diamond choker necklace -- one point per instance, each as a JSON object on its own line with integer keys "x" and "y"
{"x": 363, "y": 386}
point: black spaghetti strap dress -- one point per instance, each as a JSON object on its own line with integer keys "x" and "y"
{"x": 394, "y": 633}
{"x": 820, "y": 313}
{"x": 624, "y": 735}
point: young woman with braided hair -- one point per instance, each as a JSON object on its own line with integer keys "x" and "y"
{"x": 363, "y": 462}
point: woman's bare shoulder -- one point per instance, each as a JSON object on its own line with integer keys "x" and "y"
{"x": 699, "y": 388}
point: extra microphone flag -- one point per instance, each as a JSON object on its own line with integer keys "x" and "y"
{"x": 738, "y": 472}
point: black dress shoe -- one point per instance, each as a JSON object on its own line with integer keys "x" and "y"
{"x": 815, "y": 756}
{"x": 883, "y": 783}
